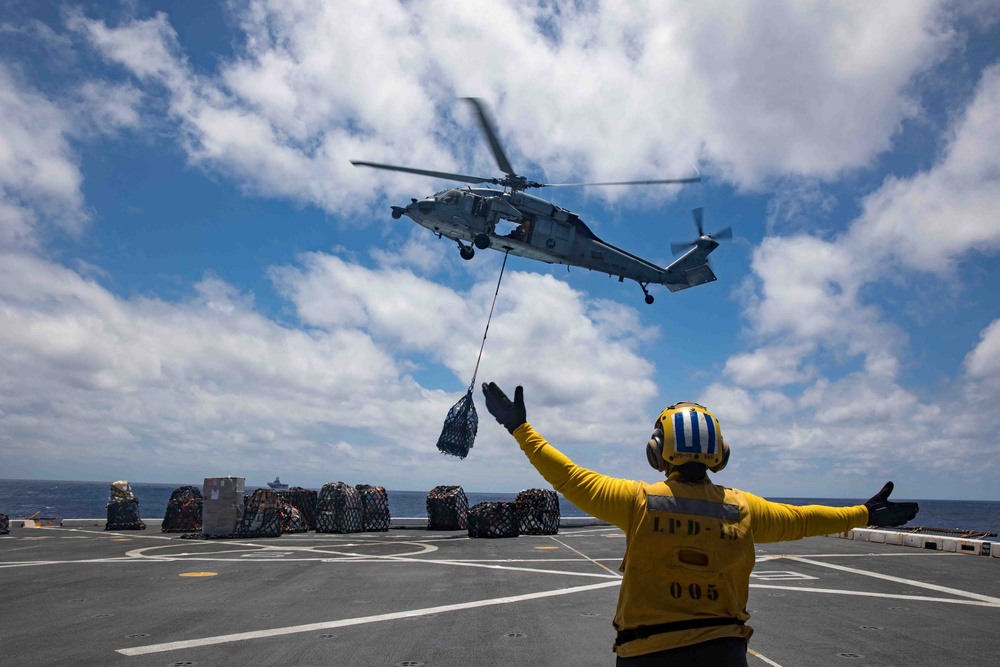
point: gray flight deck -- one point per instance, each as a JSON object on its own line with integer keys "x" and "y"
{"x": 84, "y": 596}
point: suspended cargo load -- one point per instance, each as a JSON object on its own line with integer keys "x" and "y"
{"x": 4, "y": 524}
{"x": 222, "y": 508}
{"x": 291, "y": 518}
{"x": 493, "y": 520}
{"x": 262, "y": 515}
{"x": 375, "y": 507}
{"x": 123, "y": 508}
{"x": 183, "y": 513}
{"x": 537, "y": 512}
{"x": 460, "y": 426}
{"x": 304, "y": 501}
{"x": 339, "y": 509}
{"x": 447, "y": 508}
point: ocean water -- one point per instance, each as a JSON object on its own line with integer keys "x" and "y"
{"x": 19, "y": 499}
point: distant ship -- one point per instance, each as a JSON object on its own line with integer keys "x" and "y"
{"x": 277, "y": 484}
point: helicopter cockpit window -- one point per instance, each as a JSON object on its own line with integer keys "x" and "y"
{"x": 447, "y": 196}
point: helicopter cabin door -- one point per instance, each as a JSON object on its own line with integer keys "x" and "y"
{"x": 553, "y": 236}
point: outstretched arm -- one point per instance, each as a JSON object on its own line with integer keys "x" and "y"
{"x": 607, "y": 498}
{"x": 778, "y": 522}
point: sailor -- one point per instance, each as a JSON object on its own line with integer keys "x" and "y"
{"x": 690, "y": 543}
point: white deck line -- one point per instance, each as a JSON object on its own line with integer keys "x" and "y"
{"x": 361, "y": 620}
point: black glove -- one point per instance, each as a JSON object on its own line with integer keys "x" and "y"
{"x": 509, "y": 415}
{"x": 881, "y": 512}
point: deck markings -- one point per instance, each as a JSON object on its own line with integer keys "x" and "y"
{"x": 993, "y": 602}
{"x": 758, "y": 655}
{"x": 362, "y": 620}
{"x": 872, "y": 594}
{"x": 600, "y": 565}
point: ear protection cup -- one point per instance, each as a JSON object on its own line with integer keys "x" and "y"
{"x": 725, "y": 458}
{"x": 654, "y": 449}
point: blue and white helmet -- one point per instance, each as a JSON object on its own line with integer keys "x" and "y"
{"x": 685, "y": 433}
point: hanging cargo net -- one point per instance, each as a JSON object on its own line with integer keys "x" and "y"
{"x": 183, "y": 513}
{"x": 123, "y": 509}
{"x": 447, "y": 508}
{"x": 374, "y": 508}
{"x": 304, "y": 501}
{"x": 459, "y": 431}
{"x": 493, "y": 520}
{"x": 460, "y": 427}
{"x": 292, "y": 520}
{"x": 4, "y": 524}
{"x": 262, "y": 515}
{"x": 537, "y": 512}
{"x": 339, "y": 509}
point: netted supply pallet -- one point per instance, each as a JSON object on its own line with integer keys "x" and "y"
{"x": 4, "y": 524}
{"x": 447, "y": 508}
{"x": 222, "y": 508}
{"x": 375, "y": 507}
{"x": 493, "y": 520}
{"x": 262, "y": 515}
{"x": 339, "y": 509}
{"x": 183, "y": 513}
{"x": 123, "y": 509}
{"x": 460, "y": 426}
{"x": 292, "y": 520}
{"x": 304, "y": 501}
{"x": 537, "y": 511}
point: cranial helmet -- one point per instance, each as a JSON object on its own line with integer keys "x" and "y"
{"x": 687, "y": 433}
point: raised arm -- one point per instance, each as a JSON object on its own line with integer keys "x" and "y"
{"x": 778, "y": 522}
{"x": 607, "y": 498}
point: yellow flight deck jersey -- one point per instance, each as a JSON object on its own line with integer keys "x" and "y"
{"x": 689, "y": 548}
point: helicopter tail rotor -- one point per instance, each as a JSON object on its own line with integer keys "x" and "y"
{"x": 698, "y": 214}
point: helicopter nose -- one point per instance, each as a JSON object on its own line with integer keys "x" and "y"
{"x": 424, "y": 206}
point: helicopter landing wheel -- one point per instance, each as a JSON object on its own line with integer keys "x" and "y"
{"x": 482, "y": 241}
{"x": 467, "y": 252}
{"x": 649, "y": 298}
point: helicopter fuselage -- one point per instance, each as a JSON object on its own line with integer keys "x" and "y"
{"x": 549, "y": 233}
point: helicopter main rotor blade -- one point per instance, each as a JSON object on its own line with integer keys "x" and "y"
{"x": 486, "y": 122}
{"x": 424, "y": 172}
{"x": 726, "y": 233}
{"x": 696, "y": 179}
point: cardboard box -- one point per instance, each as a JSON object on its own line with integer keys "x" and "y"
{"x": 223, "y": 506}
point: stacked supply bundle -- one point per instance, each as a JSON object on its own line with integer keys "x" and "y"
{"x": 292, "y": 520}
{"x": 222, "y": 508}
{"x": 375, "y": 507}
{"x": 4, "y": 524}
{"x": 123, "y": 509}
{"x": 304, "y": 501}
{"x": 339, "y": 509}
{"x": 537, "y": 511}
{"x": 262, "y": 515}
{"x": 447, "y": 508}
{"x": 493, "y": 520}
{"x": 183, "y": 513}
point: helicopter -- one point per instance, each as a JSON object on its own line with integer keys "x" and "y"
{"x": 541, "y": 230}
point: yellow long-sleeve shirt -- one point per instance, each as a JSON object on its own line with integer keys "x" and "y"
{"x": 701, "y": 569}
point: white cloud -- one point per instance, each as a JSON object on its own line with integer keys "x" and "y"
{"x": 814, "y": 299}
{"x": 590, "y": 91}
{"x": 984, "y": 361}
{"x": 39, "y": 178}
{"x": 103, "y": 383}
{"x": 929, "y": 221}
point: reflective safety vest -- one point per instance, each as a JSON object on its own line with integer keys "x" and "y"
{"x": 688, "y": 557}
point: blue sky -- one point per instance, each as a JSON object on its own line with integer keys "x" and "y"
{"x": 196, "y": 281}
